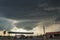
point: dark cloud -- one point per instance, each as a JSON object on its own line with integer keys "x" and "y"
{"x": 54, "y": 8}
{"x": 29, "y": 25}
{"x": 23, "y": 9}
{"x": 32, "y": 10}
{"x": 54, "y": 3}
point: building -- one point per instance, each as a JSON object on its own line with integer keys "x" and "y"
{"x": 52, "y": 34}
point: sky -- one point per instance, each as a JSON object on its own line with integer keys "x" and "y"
{"x": 30, "y": 15}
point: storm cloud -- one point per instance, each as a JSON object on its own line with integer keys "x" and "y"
{"x": 23, "y": 9}
{"x": 27, "y": 25}
{"x": 29, "y": 14}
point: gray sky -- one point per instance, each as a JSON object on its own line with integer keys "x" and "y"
{"x": 29, "y": 13}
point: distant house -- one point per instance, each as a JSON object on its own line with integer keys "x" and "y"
{"x": 53, "y": 34}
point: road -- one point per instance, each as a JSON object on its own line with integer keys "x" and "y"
{"x": 35, "y": 38}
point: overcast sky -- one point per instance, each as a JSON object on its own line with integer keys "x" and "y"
{"x": 28, "y": 13}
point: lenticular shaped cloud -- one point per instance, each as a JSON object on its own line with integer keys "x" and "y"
{"x": 28, "y": 25}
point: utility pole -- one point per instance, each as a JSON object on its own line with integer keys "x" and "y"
{"x": 44, "y": 29}
{"x": 44, "y": 32}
